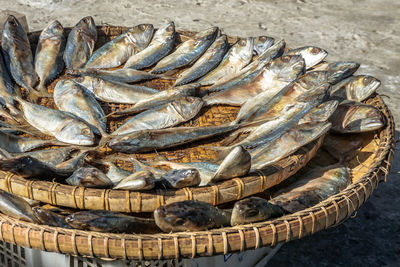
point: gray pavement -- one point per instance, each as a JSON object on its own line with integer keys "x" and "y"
{"x": 365, "y": 31}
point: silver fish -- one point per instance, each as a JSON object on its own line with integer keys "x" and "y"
{"x": 64, "y": 126}
{"x": 16, "y": 207}
{"x": 187, "y": 52}
{"x": 165, "y": 116}
{"x": 115, "y": 92}
{"x": 253, "y": 209}
{"x": 356, "y": 88}
{"x": 118, "y": 75}
{"x": 80, "y": 43}
{"x": 286, "y": 144}
{"x": 179, "y": 178}
{"x": 312, "y": 55}
{"x": 117, "y": 51}
{"x": 53, "y": 156}
{"x": 208, "y": 61}
{"x": 140, "y": 180}
{"x": 161, "y": 98}
{"x": 161, "y": 45}
{"x": 238, "y": 56}
{"x": 89, "y": 177}
{"x": 115, "y": 173}
{"x": 262, "y": 43}
{"x": 150, "y": 139}
{"x": 189, "y": 215}
{"x": 274, "y": 77}
{"x": 237, "y": 163}
{"x": 18, "y": 55}
{"x": 7, "y": 91}
{"x": 356, "y": 117}
{"x": 71, "y": 97}
{"x": 312, "y": 187}
{"x": 49, "y": 54}
{"x": 17, "y": 144}
{"x": 251, "y": 70}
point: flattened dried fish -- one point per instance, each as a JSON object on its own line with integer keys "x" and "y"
{"x": 312, "y": 187}
{"x": 275, "y": 76}
{"x": 18, "y": 55}
{"x": 108, "y": 221}
{"x": 187, "y": 52}
{"x": 115, "y": 92}
{"x": 49, "y": 54}
{"x": 238, "y": 56}
{"x": 162, "y": 44}
{"x": 165, "y": 116}
{"x": 80, "y": 43}
{"x": 64, "y": 126}
{"x": 253, "y": 209}
{"x": 48, "y": 217}
{"x": 117, "y": 51}
{"x": 71, "y": 97}
{"x": 208, "y": 61}
{"x": 161, "y": 98}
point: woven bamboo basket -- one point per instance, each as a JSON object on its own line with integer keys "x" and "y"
{"x": 130, "y": 201}
{"x": 371, "y": 163}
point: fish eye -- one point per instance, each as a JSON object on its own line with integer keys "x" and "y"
{"x": 367, "y": 80}
{"x": 179, "y": 221}
{"x": 169, "y": 28}
{"x": 285, "y": 59}
{"x": 142, "y": 27}
{"x": 315, "y": 50}
{"x": 85, "y": 131}
{"x": 262, "y": 38}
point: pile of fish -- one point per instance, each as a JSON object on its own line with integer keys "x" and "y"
{"x": 287, "y": 99}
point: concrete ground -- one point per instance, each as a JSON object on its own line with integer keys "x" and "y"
{"x": 366, "y": 31}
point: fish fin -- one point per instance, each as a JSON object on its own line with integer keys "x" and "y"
{"x": 165, "y": 77}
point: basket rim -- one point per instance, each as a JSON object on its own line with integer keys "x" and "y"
{"x": 326, "y": 214}
{"x": 147, "y": 201}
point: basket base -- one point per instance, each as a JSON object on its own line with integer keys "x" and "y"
{"x": 15, "y": 255}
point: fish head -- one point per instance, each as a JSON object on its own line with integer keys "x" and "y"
{"x": 273, "y": 52}
{"x": 188, "y": 106}
{"x": 53, "y": 30}
{"x": 77, "y": 132}
{"x": 237, "y": 163}
{"x": 207, "y": 35}
{"x": 81, "y": 220}
{"x": 243, "y": 49}
{"x": 90, "y": 176}
{"x": 362, "y": 118}
{"x": 340, "y": 70}
{"x": 165, "y": 32}
{"x": 141, "y": 35}
{"x": 139, "y": 180}
{"x": 183, "y": 177}
{"x": 183, "y": 216}
{"x": 88, "y": 26}
{"x": 288, "y": 67}
{"x": 361, "y": 87}
{"x": 262, "y": 43}
{"x": 312, "y": 55}
{"x": 13, "y": 28}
